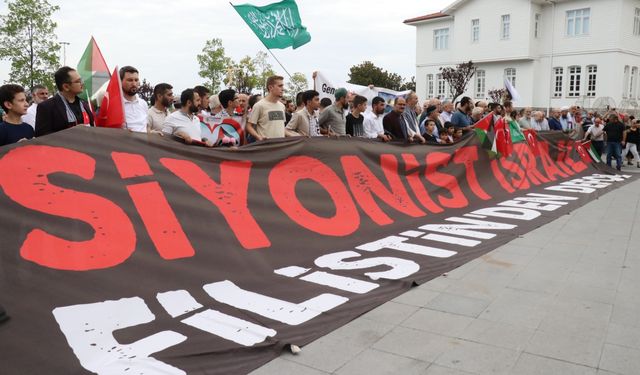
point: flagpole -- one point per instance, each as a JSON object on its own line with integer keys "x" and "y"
{"x": 265, "y": 46}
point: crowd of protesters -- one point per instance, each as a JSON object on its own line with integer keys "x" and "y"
{"x": 195, "y": 116}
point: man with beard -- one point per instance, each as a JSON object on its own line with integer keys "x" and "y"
{"x": 332, "y": 120}
{"x": 39, "y": 94}
{"x": 460, "y": 118}
{"x": 184, "y": 123}
{"x": 65, "y": 109}
{"x": 163, "y": 95}
{"x": 411, "y": 118}
{"x": 203, "y": 93}
{"x": 373, "y": 127}
{"x": 135, "y": 108}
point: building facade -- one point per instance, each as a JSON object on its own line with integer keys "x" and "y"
{"x": 555, "y": 53}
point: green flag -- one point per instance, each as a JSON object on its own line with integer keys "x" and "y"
{"x": 516, "y": 133}
{"x": 277, "y": 25}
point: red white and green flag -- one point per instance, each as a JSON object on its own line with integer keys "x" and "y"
{"x": 93, "y": 70}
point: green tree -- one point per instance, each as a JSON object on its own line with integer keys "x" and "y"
{"x": 28, "y": 40}
{"x": 264, "y": 70}
{"x": 297, "y": 83}
{"x": 410, "y": 85}
{"x": 369, "y": 74}
{"x": 214, "y": 64}
{"x": 245, "y": 75}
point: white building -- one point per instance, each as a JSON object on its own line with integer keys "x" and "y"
{"x": 555, "y": 53}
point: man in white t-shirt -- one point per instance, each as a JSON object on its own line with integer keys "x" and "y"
{"x": 39, "y": 94}
{"x": 184, "y": 123}
{"x": 373, "y": 127}
{"x": 135, "y": 108}
{"x": 267, "y": 116}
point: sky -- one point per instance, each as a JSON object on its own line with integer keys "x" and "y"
{"x": 162, "y": 38}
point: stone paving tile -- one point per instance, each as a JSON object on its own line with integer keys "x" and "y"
{"x": 391, "y": 313}
{"x": 372, "y": 361}
{"x": 280, "y": 366}
{"x": 324, "y": 354}
{"x": 417, "y": 296}
{"x": 529, "y": 364}
{"x": 475, "y": 357}
{"x": 438, "y": 322}
{"x": 578, "y": 350}
{"x": 441, "y": 370}
{"x": 622, "y": 335}
{"x": 360, "y": 332}
{"x": 498, "y": 334}
{"x": 459, "y": 305}
{"x": 621, "y": 360}
{"x": 412, "y": 343}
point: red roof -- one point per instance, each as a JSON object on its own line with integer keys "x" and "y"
{"x": 427, "y": 17}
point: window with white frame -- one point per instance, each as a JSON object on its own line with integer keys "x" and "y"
{"x": 557, "y": 81}
{"x": 505, "y": 26}
{"x": 510, "y": 75}
{"x": 441, "y": 38}
{"x": 480, "y": 83}
{"x": 536, "y": 25}
{"x": 475, "y": 30}
{"x": 575, "y": 73}
{"x": 429, "y": 85}
{"x": 592, "y": 71}
{"x": 636, "y": 23}
{"x": 441, "y": 86}
{"x": 633, "y": 82}
{"x": 578, "y": 21}
{"x": 625, "y": 85}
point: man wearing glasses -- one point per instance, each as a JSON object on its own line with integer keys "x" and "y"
{"x": 65, "y": 109}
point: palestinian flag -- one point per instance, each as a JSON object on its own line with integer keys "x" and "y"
{"x": 588, "y": 152}
{"x": 93, "y": 70}
{"x": 482, "y": 129}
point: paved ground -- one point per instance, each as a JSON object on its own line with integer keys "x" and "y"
{"x": 562, "y": 299}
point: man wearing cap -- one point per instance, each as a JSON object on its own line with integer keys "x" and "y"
{"x": 332, "y": 120}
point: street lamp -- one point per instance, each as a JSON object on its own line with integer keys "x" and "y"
{"x": 64, "y": 52}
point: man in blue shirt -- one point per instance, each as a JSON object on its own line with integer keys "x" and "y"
{"x": 13, "y": 100}
{"x": 554, "y": 120}
{"x": 460, "y": 118}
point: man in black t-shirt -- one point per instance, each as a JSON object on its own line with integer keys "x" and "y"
{"x": 613, "y": 133}
{"x": 355, "y": 119}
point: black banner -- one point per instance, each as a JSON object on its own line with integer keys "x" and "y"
{"x": 126, "y": 253}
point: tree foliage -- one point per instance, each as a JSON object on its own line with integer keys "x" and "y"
{"x": 368, "y": 73}
{"x": 458, "y": 78}
{"x": 245, "y": 75}
{"x": 29, "y": 42}
{"x": 146, "y": 90}
{"x": 498, "y": 95}
{"x": 296, "y": 84}
{"x": 214, "y": 64}
{"x": 264, "y": 70}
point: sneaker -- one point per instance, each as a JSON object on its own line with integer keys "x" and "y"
{"x": 619, "y": 168}
{"x": 629, "y": 162}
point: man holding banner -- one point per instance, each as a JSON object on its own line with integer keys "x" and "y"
{"x": 267, "y": 117}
